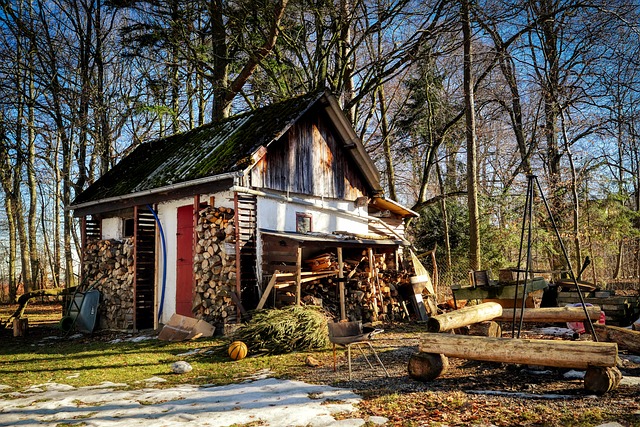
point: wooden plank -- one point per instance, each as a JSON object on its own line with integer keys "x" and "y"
{"x": 555, "y": 353}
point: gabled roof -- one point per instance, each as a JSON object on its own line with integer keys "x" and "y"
{"x": 219, "y": 149}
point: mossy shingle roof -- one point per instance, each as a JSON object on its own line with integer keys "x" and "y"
{"x": 213, "y": 149}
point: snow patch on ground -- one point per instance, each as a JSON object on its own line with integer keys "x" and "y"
{"x": 554, "y": 331}
{"x": 270, "y": 401}
{"x": 548, "y": 396}
{"x": 574, "y": 375}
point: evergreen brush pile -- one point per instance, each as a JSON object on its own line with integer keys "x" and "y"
{"x": 279, "y": 331}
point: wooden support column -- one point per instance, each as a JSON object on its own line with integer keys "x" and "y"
{"x": 343, "y": 309}
{"x": 299, "y": 275}
{"x": 372, "y": 283}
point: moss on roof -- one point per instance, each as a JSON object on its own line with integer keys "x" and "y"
{"x": 209, "y": 150}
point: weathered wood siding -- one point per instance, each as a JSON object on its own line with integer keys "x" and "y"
{"x": 310, "y": 159}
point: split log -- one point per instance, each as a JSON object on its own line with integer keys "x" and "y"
{"x": 550, "y": 314}
{"x": 600, "y": 379}
{"x": 463, "y": 317}
{"x": 626, "y": 339}
{"x": 427, "y": 366}
{"x": 559, "y": 354}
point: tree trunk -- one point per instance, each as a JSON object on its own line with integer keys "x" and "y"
{"x": 559, "y": 354}
{"x": 386, "y": 142}
{"x": 472, "y": 161}
{"x": 626, "y": 339}
{"x": 550, "y": 314}
{"x": 463, "y": 317}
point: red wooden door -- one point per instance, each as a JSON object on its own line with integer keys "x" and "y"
{"x": 184, "y": 262}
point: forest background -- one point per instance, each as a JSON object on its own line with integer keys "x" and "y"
{"x": 456, "y": 101}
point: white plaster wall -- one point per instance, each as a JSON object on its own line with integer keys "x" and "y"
{"x": 168, "y": 215}
{"x": 112, "y": 228}
{"x": 281, "y": 216}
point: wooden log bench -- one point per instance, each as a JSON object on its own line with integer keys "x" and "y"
{"x": 598, "y": 359}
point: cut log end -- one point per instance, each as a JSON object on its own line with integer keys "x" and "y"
{"x": 427, "y": 366}
{"x": 600, "y": 379}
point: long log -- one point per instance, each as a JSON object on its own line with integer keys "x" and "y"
{"x": 559, "y": 354}
{"x": 626, "y": 339}
{"x": 464, "y": 316}
{"x": 550, "y": 314}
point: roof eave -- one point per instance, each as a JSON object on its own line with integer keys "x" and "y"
{"x": 158, "y": 190}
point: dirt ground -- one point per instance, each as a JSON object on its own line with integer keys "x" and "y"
{"x": 469, "y": 392}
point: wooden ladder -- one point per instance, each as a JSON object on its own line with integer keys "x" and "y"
{"x": 245, "y": 228}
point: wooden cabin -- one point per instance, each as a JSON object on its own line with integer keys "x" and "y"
{"x": 203, "y": 222}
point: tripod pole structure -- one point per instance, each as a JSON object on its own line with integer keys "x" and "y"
{"x": 527, "y": 214}
{"x": 569, "y": 267}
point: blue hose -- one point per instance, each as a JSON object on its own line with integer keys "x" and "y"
{"x": 164, "y": 259}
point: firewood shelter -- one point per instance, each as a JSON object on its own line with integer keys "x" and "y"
{"x": 201, "y": 223}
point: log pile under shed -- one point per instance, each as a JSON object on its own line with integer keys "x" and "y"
{"x": 373, "y": 290}
{"x": 214, "y": 266}
{"x": 111, "y": 263}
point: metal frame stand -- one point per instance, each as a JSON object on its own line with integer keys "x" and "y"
{"x": 527, "y": 220}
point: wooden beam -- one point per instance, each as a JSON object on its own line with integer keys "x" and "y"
{"x": 555, "y": 353}
{"x": 267, "y": 291}
{"x": 550, "y": 314}
{"x": 464, "y": 316}
{"x": 343, "y": 308}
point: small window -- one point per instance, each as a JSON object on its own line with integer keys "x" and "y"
{"x": 303, "y": 222}
{"x": 127, "y": 227}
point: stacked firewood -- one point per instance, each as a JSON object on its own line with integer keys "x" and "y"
{"x": 370, "y": 295}
{"x": 214, "y": 266}
{"x": 110, "y": 264}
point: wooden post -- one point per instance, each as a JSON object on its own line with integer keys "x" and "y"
{"x": 550, "y": 314}
{"x": 556, "y": 353}
{"x": 464, "y": 316}
{"x": 20, "y": 327}
{"x": 267, "y": 291}
{"x": 343, "y": 309}
{"x": 372, "y": 283}
{"x": 299, "y": 275}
